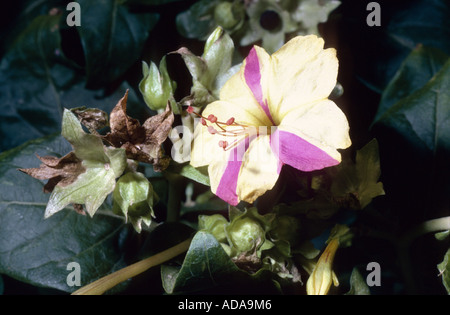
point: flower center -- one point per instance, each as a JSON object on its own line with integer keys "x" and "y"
{"x": 271, "y": 21}
{"x": 232, "y": 130}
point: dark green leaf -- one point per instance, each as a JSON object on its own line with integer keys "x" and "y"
{"x": 360, "y": 179}
{"x": 206, "y": 265}
{"x": 29, "y": 82}
{"x": 37, "y": 250}
{"x": 35, "y": 85}
{"x": 424, "y": 116}
{"x": 197, "y": 22}
{"x": 379, "y": 50}
{"x": 416, "y": 70}
{"x": 414, "y": 137}
{"x": 112, "y": 38}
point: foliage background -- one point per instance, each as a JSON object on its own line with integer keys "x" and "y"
{"x": 44, "y": 68}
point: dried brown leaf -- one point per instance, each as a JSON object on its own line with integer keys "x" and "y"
{"x": 59, "y": 171}
{"x": 141, "y": 143}
{"x": 92, "y": 118}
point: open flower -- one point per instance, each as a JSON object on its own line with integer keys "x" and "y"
{"x": 274, "y": 111}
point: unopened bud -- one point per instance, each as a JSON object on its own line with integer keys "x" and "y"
{"x": 133, "y": 197}
{"x": 156, "y": 86}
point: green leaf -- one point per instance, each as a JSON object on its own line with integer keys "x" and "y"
{"x": 37, "y": 251}
{"x": 28, "y": 83}
{"x": 217, "y": 55}
{"x": 423, "y": 117}
{"x": 37, "y": 82}
{"x": 206, "y": 265}
{"x": 380, "y": 50}
{"x": 415, "y": 71}
{"x": 207, "y": 268}
{"x": 103, "y": 166}
{"x": 112, "y": 38}
{"x": 444, "y": 271}
{"x": 86, "y": 146}
{"x": 358, "y": 285}
{"x": 200, "y": 175}
{"x": 197, "y": 22}
{"x": 211, "y": 70}
{"x": 360, "y": 179}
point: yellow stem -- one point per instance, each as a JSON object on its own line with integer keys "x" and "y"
{"x": 102, "y": 285}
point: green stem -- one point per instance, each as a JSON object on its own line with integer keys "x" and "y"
{"x": 430, "y": 226}
{"x": 176, "y": 190}
{"x": 102, "y": 285}
{"x": 405, "y": 242}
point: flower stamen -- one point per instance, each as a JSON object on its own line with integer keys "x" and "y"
{"x": 230, "y": 128}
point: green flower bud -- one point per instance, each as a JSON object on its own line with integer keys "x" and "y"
{"x": 133, "y": 196}
{"x": 246, "y": 234}
{"x": 247, "y": 231}
{"x": 214, "y": 224}
{"x": 229, "y": 15}
{"x": 156, "y": 86}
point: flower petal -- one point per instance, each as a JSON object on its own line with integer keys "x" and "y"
{"x": 260, "y": 170}
{"x": 205, "y": 147}
{"x": 224, "y": 174}
{"x": 299, "y": 153}
{"x": 323, "y": 124}
{"x": 254, "y": 69}
{"x": 248, "y": 87}
{"x": 302, "y": 72}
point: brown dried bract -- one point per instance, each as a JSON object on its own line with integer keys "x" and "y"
{"x": 59, "y": 171}
{"x": 92, "y": 118}
{"x": 141, "y": 143}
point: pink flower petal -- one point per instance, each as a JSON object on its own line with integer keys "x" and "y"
{"x": 299, "y": 153}
{"x": 226, "y": 189}
{"x": 252, "y": 75}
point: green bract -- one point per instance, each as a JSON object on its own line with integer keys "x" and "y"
{"x": 156, "y": 86}
{"x": 103, "y": 165}
{"x": 211, "y": 70}
{"x": 134, "y": 197}
{"x": 214, "y": 224}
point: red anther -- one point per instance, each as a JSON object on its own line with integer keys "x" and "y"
{"x": 230, "y": 121}
{"x": 190, "y": 109}
{"x": 212, "y": 118}
{"x": 203, "y": 121}
{"x": 211, "y": 130}
{"x": 223, "y": 144}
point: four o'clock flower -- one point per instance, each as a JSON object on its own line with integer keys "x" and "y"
{"x": 274, "y": 111}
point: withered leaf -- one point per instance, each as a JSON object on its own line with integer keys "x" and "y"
{"x": 142, "y": 143}
{"x": 59, "y": 171}
{"x": 92, "y": 118}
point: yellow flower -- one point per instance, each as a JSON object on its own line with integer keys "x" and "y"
{"x": 274, "y": 111}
